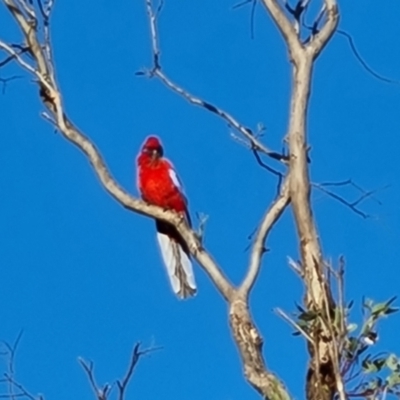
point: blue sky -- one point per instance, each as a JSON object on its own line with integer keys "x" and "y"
{"x": 83, "y": 277}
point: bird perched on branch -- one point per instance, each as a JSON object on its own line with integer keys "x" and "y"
{"x": 159, "y": 184}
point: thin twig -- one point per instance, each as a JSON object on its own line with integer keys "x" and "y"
{"x": 297, "y": 12}
{"x": 21, "y": 388}
{"x": 102, "y": 392}
{"x": 231, "y": 121}
{"x": 253, "y": 9}
{"x": 154, "y": 36}
{"x": 28, "y": 10}
{"x": 136, "y": 354}
{"x": 27, "y": 66}
{"x": 364, "y": 63}
{"x": 296, "y": 267}
{"x": 11, "y": 57}
{"x": 248, "y": 145}
{"x": 294, "y": 324}
{"x": 350, "y": 204}
{"x": 266, "y": 166}
{"x": 4, "y": 82}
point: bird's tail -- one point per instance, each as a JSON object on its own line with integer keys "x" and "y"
{"x": 177, "y": 260}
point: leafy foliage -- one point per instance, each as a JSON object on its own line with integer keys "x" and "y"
{"x": 366, "y": 374}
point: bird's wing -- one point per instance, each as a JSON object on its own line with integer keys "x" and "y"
{"x": 178, "y": 184}
{"x": 175, "y": 179}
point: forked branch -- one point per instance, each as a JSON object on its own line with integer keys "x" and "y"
{"x": 42, "y": 69}
{"x": 246, "y": 335}
{"x": 102, "y": 392}
{"x": 323, "y": 382}
{"x": 271, "y": 217}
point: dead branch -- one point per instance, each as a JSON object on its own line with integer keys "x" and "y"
{"x": 250, "y": 342}
{"x": 271, "y": 217}
{"x": 246, "y": 335}
{"x": 363, "y": 63}
{"x": 135, "y": 357}
{"x": 258, "y": 158}
{"x": 156, "y": 71}
{"x": 252, "y": 13}
{"x": 352, "y": 205}
{"x": 322, "y": 380}
{"x": 10, "y": 58}
{"x": 4, "y": 82}
{"x": 15, "y": 389}
{"x": 42, "y": 69}
{"x": 294, "y": 324}
{"x": 102, "y": 392}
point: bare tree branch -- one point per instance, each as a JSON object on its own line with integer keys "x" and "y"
{"x": 321, "y": 376}
{"x": 157, "y": 72}
{"x": 282, "y": 22}
{"x": 352, "y": 205}
{"x": 319, "y": 41}
{"x": 340, "y": 199}
{"x": 247, "y": 337}
{"x": 51, "y": 96}
{"x": 324, "y": 380}
{"x": 135, "y": 357}
{"x": 103, "y": 392}
{"x": 364, "y": 63}
{"x": 15, "y": 389}
{"x": 271, "y": 217}
{"x": 28, "y": 29}
{"x": 22, "y": 391}
{"x": 294, "y": 324}
{"x": 252, "y": 13}
{"x": 11, "y": 57}
{"x": 250, "y": 342}
{"x": 4, "y": 82}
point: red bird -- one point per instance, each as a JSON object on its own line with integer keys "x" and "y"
{"x": 159, "y": 185}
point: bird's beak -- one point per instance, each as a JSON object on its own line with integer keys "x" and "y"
{"x": 154, "y": 155}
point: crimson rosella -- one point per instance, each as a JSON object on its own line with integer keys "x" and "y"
{"x": 159, "y": 185}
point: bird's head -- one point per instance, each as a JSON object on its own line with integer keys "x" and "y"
{"x": 152, "y": 147}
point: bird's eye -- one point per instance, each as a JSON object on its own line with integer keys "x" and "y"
{"x": 153, "y": 151}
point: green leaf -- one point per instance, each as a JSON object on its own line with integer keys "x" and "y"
{"x": 308, "y": 316}
{"x": 350, "y": 305}
{"x": 303, "y": 324}
{"x": 371, "y": 366}
{"x": 368, "y": 326}
{"x": 392, "y": 310}
{"x": 378, "y": 309}
{"x": 391, "y": 300}
{"x": 352, "y": 344}
{"x": 300, "y": 308}
{"x": 393, "y": 380}
{"x": 392, "y": 362}
{"x": 379, "y": 363}
{"x": 381, "y": 309}
{"x": 367, "y": 366}
{"x": 351, "y": 328}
